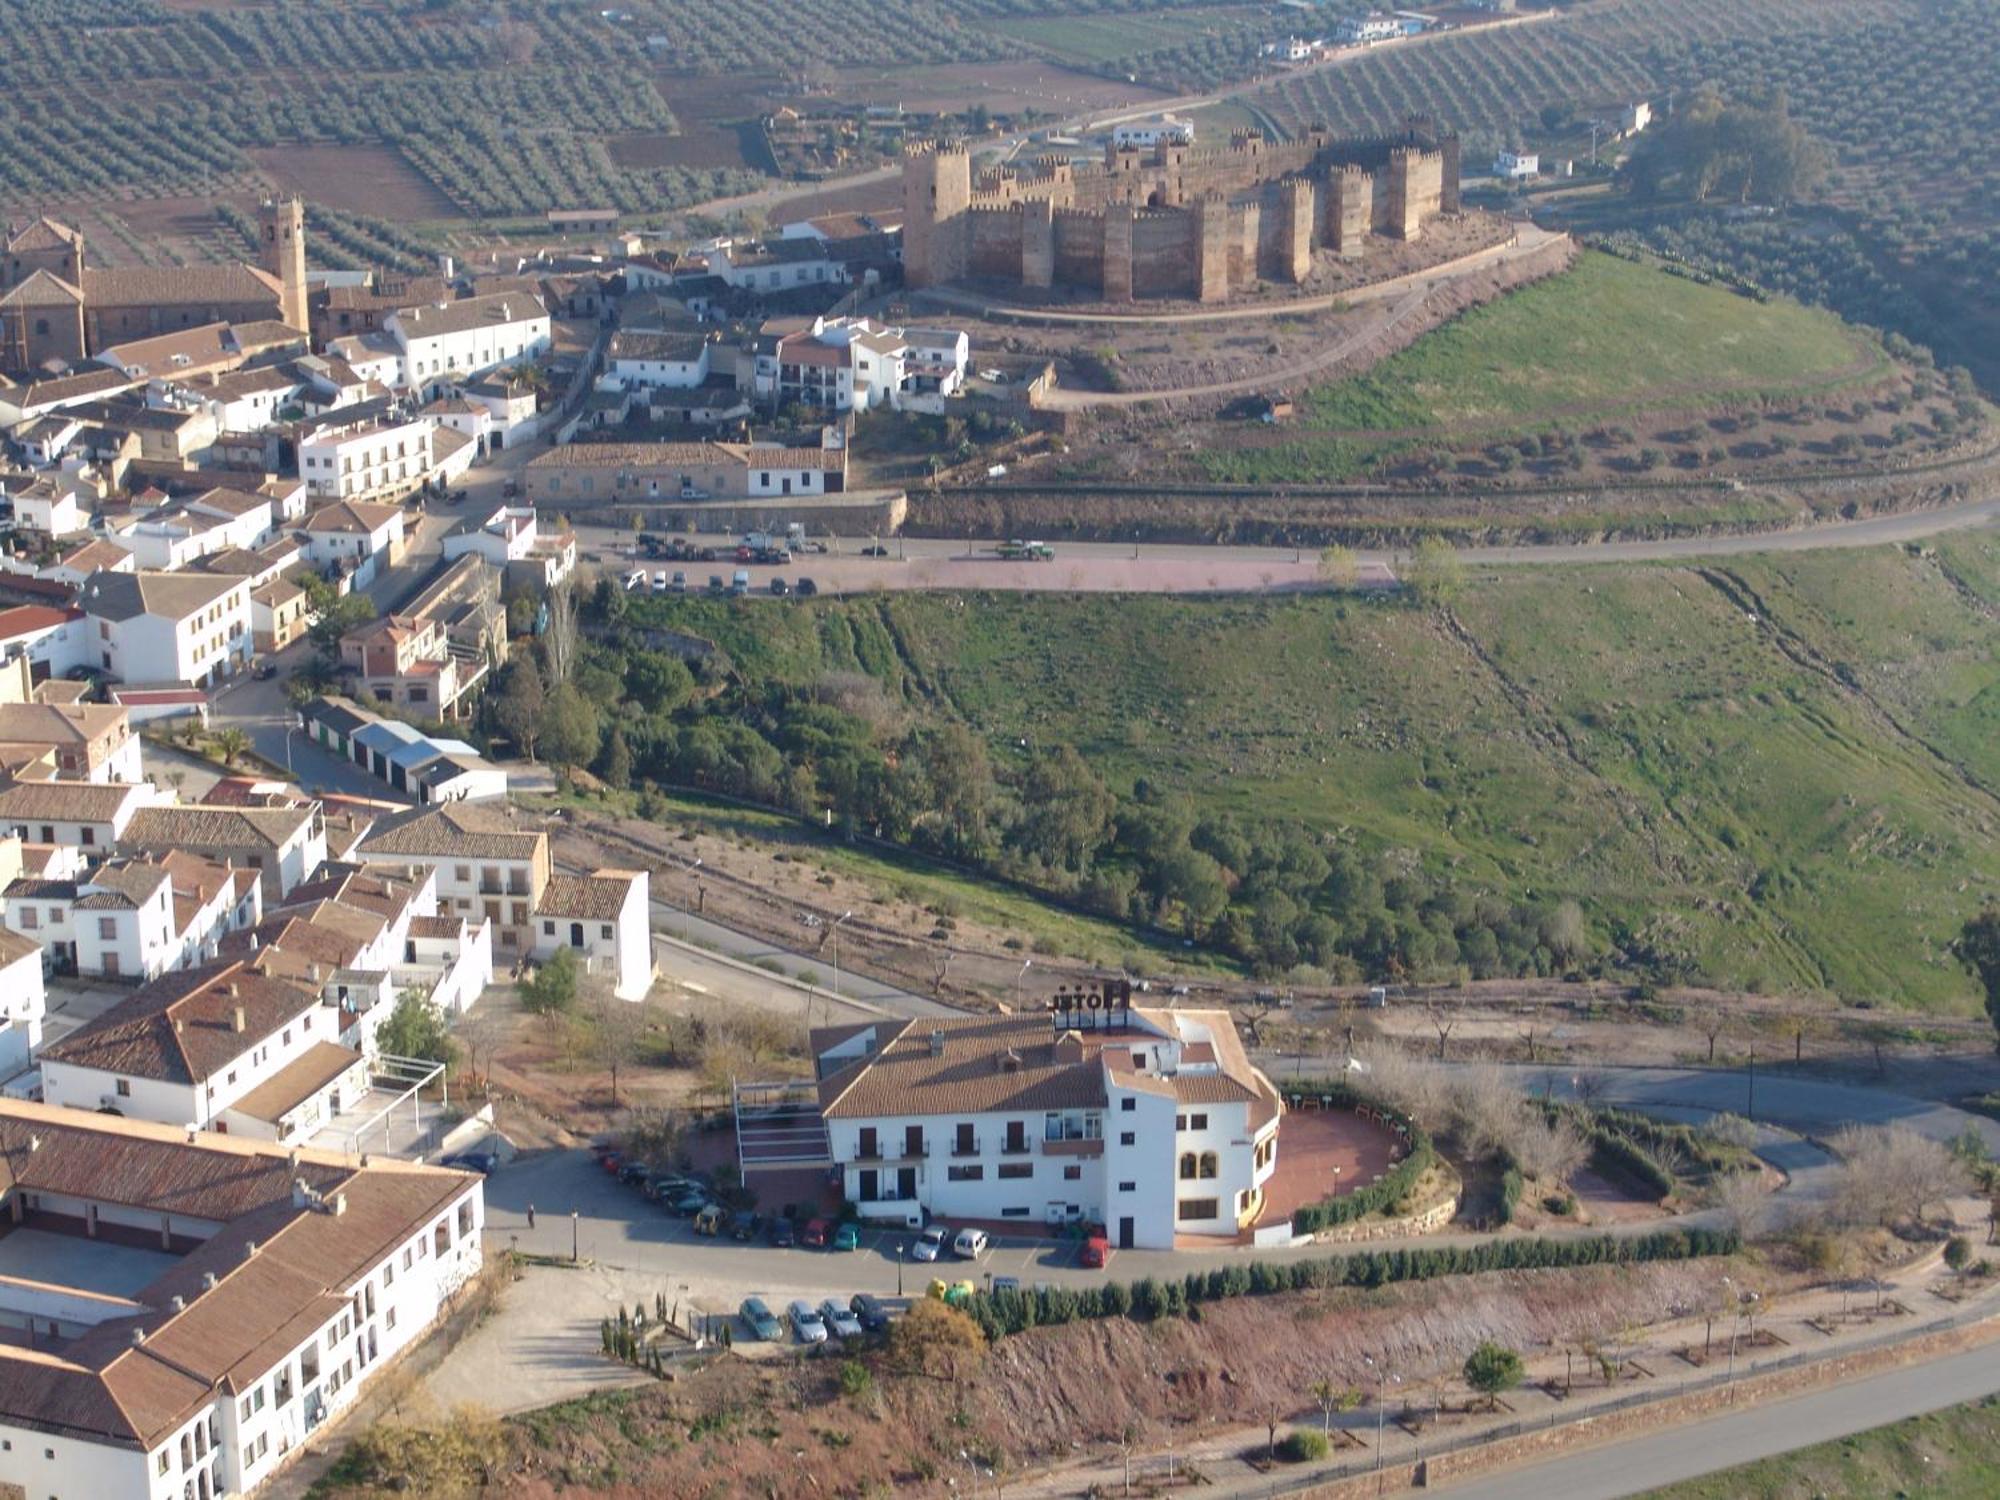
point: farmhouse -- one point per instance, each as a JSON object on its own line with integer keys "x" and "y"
{"x": 1172, "y": 220}
{"x": 156, "y": 627}
{"x": 272, "y": 1288}
{"x": 1150, "y": 1122}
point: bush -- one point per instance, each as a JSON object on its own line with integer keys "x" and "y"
{"x": 1510, "y": 1194}
{"x": 999, "y": 1314}
{"x": 1304, "y": 1446}
{"x": 855, "y": 1381}
{"x": 1957, "y": 1252}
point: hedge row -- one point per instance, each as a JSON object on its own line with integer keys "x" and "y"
{"x": 1616, "y": 1155}
{"x": 1395, "y": 1184}
{"x": 1659, "y": 1135}
{"x": 1010, "y": 1311}
{"x": 1510, "y": 1193}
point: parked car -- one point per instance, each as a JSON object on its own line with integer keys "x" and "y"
{"x": 806, "y": 588}
{"x": 266, "y": 670}
{"x": 840, "y": 1321}
{"x": 667, "y": 1186}
{"x": 874, "y": 1316}
{"x": 633, "y": 1173}
{"x": 690, "y": 1203}
{"x": 636, "y": 579}
{"x": 930, "y": 1244}
{"x": 712, "y": 1219}
{"x": 759, "y": 1320}
{"x": 659, "y": 583}
{"x": 780, "y": 588}
{"x": 847, "y": 1237}
{"x": 678, "y": 583}
{"x": 1096, "y": 1252}
{"x": 716, "y": 584}
{"x": 816, "y": 1233}
{"x": 739, "y": 585}
{"x": 485, "y": 1163}
{"x": 747, "y": 1227}
{"x": 783, "y": 1235}
{"x": 970, "y": 1244}
{"x": 808, "y": 1327}
{"x": 876, "y": 550}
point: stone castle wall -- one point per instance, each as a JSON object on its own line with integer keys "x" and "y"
{"x": 1172, "y": 221}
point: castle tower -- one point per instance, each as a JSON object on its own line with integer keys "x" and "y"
{"x": 937, "y": 190}
{"x": 282, "y": 233}
{"x": 1211, "y": 248}
{"x": 1295, "y": 226}
{"x": 1350, "y": 209}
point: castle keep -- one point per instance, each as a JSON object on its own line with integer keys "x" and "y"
{"x": 1171, "y": 220}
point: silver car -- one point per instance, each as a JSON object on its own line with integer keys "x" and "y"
{"x": 840, "y": 1319}
{"x": 808, "y": 1327}
{"x": 930, "y": 1244}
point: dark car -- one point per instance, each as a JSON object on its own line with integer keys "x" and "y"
{"x": 667, "y": 1186}
{"x": 633, "y": 1173}
{"x": 806, "y": 588}
{"x": 703, "y": 554}
{"x": 747, "y": 1227}
{"x": 485, "y": 1163}
{"x": 783, "y": 1235}
{"x": 716, "y": 584}
{"x": 873, "y": 1315}
{"x": 780, "y": 588}
{"x": 266, "y": 671}
{"x": 757, "y": 1317}
{"x": 877, "y": 550}
{"x": 690, "y": 1202}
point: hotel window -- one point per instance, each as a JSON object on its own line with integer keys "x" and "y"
{"x": 1197, "y": 1208}
{"x": 1197, "y": 1122}
{"x": 1128, "y": 1104}
{"x": 1208, "y": 1164}
{"x": 125, "y": 1088}
{"x": 1188, "y": 1166}
{"x": 1127, "y": 1138}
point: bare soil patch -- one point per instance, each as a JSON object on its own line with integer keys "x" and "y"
{"x": 374, "y": 180}
{"x": 705, "y": 146}
{"x": 1003, "y": 87}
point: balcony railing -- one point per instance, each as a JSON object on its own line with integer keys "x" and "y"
{"x": 965, "y": 1147}
{"x": 1019, "y": 1147}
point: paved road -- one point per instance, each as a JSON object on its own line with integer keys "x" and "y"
{"x": 1772, "y": 1427}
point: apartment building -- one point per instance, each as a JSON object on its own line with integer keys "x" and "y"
{"x": 89, "y": 741}
{"x": 133, "y": 918}
{"x": 583, "y": 475}
{"x": 152, "y": 627}
{"x": 1150, "y": 1122}
{"x": 84, "y": 815}
{"x": 283, "y": 844}
{"x": 376, "y": 450}
{"x": 288, "y": 1281}
{"x": 442, "y": 343}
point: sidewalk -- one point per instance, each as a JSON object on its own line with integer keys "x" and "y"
{"x": 1801, "y": 1330}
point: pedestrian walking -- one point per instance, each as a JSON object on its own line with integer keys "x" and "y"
{"x": 531, "y": 1216}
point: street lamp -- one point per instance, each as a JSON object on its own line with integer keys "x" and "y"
{"x": 1026, "y": 964}
{"x": 833, "y": 934}
{"x": 690, "y": 868}
{"x": 575, "y": 1220}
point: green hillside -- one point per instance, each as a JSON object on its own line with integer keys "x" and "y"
{"x": 1777, "y": 771}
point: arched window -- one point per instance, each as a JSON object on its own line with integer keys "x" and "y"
{"x": 1187, "y": 1166}
{"x": 1208, "y": 1164}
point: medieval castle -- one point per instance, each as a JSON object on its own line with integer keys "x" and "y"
{"x": 1172, "y": 220}
{"x": 55, "y": 310}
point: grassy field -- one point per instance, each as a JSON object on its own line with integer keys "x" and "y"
{"x": 1606, "y": 339}
{"x": 1780, "y": 771}
{"x": 1952, "y": 1454}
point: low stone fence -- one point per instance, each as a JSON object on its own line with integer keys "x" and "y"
{"x": 1423, "y": 1221}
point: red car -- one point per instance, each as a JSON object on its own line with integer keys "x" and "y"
{"x": 816, "y": 1233}
{"x": 1096, "y": 1251}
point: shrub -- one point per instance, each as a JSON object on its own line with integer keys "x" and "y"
{"x": 1957, "y": 1252}
{"x": 1304, "y": 1446}
{"x": 855, "y": 1381}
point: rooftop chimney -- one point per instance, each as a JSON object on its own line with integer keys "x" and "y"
{"x": 339, "y": 1204}
{"x": 178, "y": 1302}
{"x": 34, "y": 1144}
{"x": 249, "y": 1249}
{"x": 138, "y": 1337}
{"x": 208, "y": 1281}
{"x": 937, "y": 1044}
{"x": 242, "y": 1019}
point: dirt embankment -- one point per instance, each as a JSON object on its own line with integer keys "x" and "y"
{"x": 1051, "y": 1394}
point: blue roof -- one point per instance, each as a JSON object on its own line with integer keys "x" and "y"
{"x": 385, "y": 735}
{"x": 416, "y": 753}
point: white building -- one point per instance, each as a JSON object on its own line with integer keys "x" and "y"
{"x": 376, "y": 449}
{"x": 1152, "y": 1123}
{"x": 53, "y": 641}
{"x": 23, "y": 1001}
{"x": 852, "y": 364}
{"x": 1635, "y": 118}
{"x": 1516, "y": 165}
{"x": 1167, "y": 128}
{"x": 779, "y": 265}
{"x": 134, "y": 918}
{"x": 443, "y": 343}
{"x": 512, "y": 540}
{"x": 283, "y": 1283}
{"x": 357, "y": 537}
{"x": 223, "y": 1046}
{"x": 284, "y": 845}
{"x": 149, "y": 627}
{"x": 1371, "y": 28}
{"x": 51, "y": 507}
{"x": 676, "y": 360}
{"x": 604, "y": 919}
{"x": 177, "y": 533}
{"x": 85, "y": 815}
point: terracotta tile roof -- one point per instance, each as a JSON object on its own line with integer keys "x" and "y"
{"x": 597, "y": 897}
{"x": 181, "y": 1028}
{"x": 217, "y": 828}
{"x": 455, "y": 830}
{"x": 43, "y": 233}
{"x": 94, "y": 554}
{"x": 171, "y": 596}
{"x": 351, "y": 516}
{"x": 178, "y": 286}
{"x": 14, "y": 947}
{"x": 659, "y": 455}
{"x": 68, "y": 801}
{"x": 42, "y": 289}
{"x": 429, "y": 320}
{"x": 985, "y": 1064}
{"x": 296, "y": 1082}
{"x": 58, "y": 724}
{"x": 165, "y": 353}
{"x": 26, "y": 619}
{"x": 437, "y": 927}
{"x": 123, "y": 884}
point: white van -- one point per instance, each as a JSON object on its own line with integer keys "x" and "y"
{"x": 970, "y": 1244}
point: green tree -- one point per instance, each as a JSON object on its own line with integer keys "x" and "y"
{"x": 1066, "y": 809}
{"x": 230, "y": 743}
{"x": 518, "y": 707}
{"x": 551, "y": 989}
{"x": 1491, "y": 1369}
{"x": 1339, "y": 568}
{"x": 569, "y": 731}
{"x": 333, "y": 614}
{"x": 617, "y": 760}
{"x": 1979, "y": 950}
{"x": 1436, "y": 574}
{"x": 959, "y": 783}
{"x": 416, "y": 1028}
